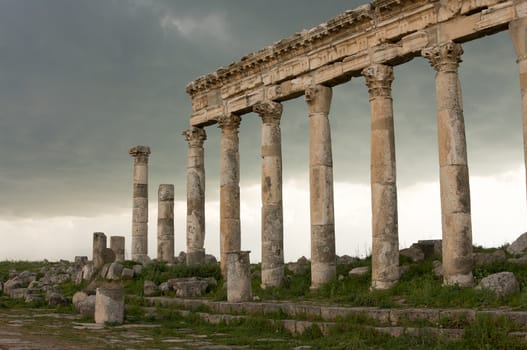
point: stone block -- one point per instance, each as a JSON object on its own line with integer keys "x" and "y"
{"x": 501, "y": 283}
{"x": 109, "y": 305}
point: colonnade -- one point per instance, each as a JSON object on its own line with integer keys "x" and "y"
{"x": 454, "y": 176}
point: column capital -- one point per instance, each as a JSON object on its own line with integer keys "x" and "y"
{"x": 229, "y": 122}
{"x": 140, "y": 153}
{"x": 379, "y": 78}
{"x": 518, "y": 31}
{"x": 270, "y": 111}
{"x": 318, "y": 98}
{"x": 444, "y": 57}
{"x": 195, "y": 136}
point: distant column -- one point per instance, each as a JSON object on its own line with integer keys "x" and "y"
{"x": 272, "y": 212}
{"x": 385, "y": 240}
{"x": 195, "y": 196}
{"x": 117, "y": 245}
{"x": 165, "y": 223}
{"x": 454, "y": 178}
{"x": 99, "y": 247}
{"x": 323, "y": 258}
{"x": 230, "y": 239}
{"x": 518, "y": 31}
{"x": 140, "y": 203}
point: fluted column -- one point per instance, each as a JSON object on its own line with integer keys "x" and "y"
{"x": 518, "y": 31}
{"x": 140, "y": 203}
{"x": 454, "y": 178}
{"x": 272, "y": 211}
{"x": 165, "y": 223}
{"x": 323, "y": 259}
{"x": 385, "y": 239}
{"x": 230, "y": 239}
{"x": 195, "y": 196}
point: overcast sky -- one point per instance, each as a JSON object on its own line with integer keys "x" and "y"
{"x": 81, "y": 81}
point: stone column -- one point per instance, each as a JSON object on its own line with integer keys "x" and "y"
{"x": 99, "y": 247}
{"x": 385, "y": 240}
{"x": 454, "y": 178}
{"x": 323, "y": 259}
{"x": 272, "y": 212}
{"x": 140, "y": 203}
{"x": 109, "y": 305}
{"x": 230, "y": 239}
{"x": 518, "y": 31}
{"x": 165, "y": 223}
{"x": 195, "y": 196}
{"x": 238, "y": 277}
{"x": 117, "y": 245}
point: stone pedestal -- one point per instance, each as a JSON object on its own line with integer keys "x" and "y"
{"x": 272, "y": 212}
{"x": 99, "y": 247}
{"x": 323, "y": 258}
{"x": 140, "y": 203}
{"x": 117, "y": 245}
{"x": 385, "y": 240}
{"x": 518, "y": 31}
{"x": 195, "y": 196}
{"x": 454, "y": 178}
{"x": 109, "y": 305}
{"x": 230, "y": 239}
{"x": 238, "y": 277}
{"x": 165, "y": 223}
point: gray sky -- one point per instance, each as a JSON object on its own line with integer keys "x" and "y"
{"x": 81, "y": 81}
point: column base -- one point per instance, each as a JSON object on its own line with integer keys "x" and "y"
{"x": 196, "y": 257}
{"x": 382, "y": 285}
{"x": 322, "y": 273}
{"x": 273, "y": 277}
{"x": 466, "y": 280}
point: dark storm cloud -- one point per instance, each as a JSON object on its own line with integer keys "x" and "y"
{"x": 82, "y": 81}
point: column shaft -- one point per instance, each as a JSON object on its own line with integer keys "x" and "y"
{"x": 454, "y": 178}
{"x": 385, "y": 240}
{"x": 230, "y": 239}
{"x": 518, "y": 31}
{"x": 165, "y": 223}
{"x": 140, "y": 203}
{"x": 323, "y": 259}
{"x": 195, "y": 196}
{"x": 272, "y": 211}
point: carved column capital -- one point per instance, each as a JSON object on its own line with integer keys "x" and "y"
{"x": 444, "y": 57}
{"x": 230, "y": 122}
{"x": 318, "y": 98}
{"x": 270, "y": 111}
{"x": 140, "y": 154}
{"x": 195, "y": 136}
{"x": 379, "y": 80}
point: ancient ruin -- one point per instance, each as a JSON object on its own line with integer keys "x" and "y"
{"x": 368, "y": 41}
{"x": 165, "y": 223}
{"x": 118, "y": 247}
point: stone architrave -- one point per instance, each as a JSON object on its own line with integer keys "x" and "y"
{"x": 385, "y": 240}
{"x": 165, "y": 223}
{"x": 238, "y": 277}
{"x": 230, "y": 238}
{"x": 454, "y": 178}
{"x": 99, "y": 247}
{"x": 272, "y": 211}
{"x": 518, "y": 31}
{"x": 323, "y": 257}
{"x": 109, "y": 305}
{"x": 117, "y": 245}
{"x": 195, "y": 196}
{"x": 140, "y": 203}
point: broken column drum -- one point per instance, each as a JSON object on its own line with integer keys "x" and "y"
{"x": 165, "y": 223}
{"x": 272, "y": 212}
{"x": 99, "y": 247}
{"x": 117, "y": 245}
{"x": 109, "y": 305}
{"x": 453, "y": 173}
{"x": 239, "y": 277}
{"x": 140, "y": 202}
{"x": 323, "y": 258}
{"x": 385, "y": 239}
{"x": 195, "y": 196}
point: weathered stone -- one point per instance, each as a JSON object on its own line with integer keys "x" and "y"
{"x": 165, "y": 223}
{"x": 483, "y": 259}
{"x": 431, "y": 248}
{"x": 114, "y": 271}
{"x": 56, "y": 299}
{"x": 414, "y": 253}
{"x": 164, "y": 287}
{"x": 138, "y": 269}
{"x": 86, "y": 307}
{"x": 501, "y": 283}
{"x": 59, "y": 279}
{"x": 149, "y": 288}
{"x": 87, "y": 272}
{"x": 80, "y": 261}
{"x": 181, "y": 258}
{"x": 11, "y": 284}
{"x": 359, "y": 271}
{"x": 519, "y": 246}
{"x": 301, "y": 266}
{"x": 188, "y": 287}
{"x": 520, "y": 261}
{"x": 127, "y": 274}
{"x": 109, "y": 305}
{"x": 17, "y": 293}
{"x": 238, "y": 277}
{"x": 140, "y": 202}
{"x": 99, "y": 246}
{"x": 78, "y": 297}
{"x": 117, "y": 245}
{"x": 346, "y": 260}
{"x": 437, "y": 268}
{"x": 210, "y": 259}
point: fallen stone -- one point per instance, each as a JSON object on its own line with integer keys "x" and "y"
{"x": 431, "y": 247}
{"x": 86, "y": 307}
{"x": 78, "y": 297}
{"x": 301, "y": 266}
{"x": 437, "y": 268}
{"x": 210, "y": 259}
{"x": 114, "y": 271}
{"x": 12, "y": 284}
{"x": 414, "y": 253}
{"x": 188, "y": 287}
{"x": 346, "y": 260}
{"x": 164, "y": 287}
{"x": 88, "y": 272}
{"x": 181, "y": 258}
{"x": 59, "y": 279}
{"x": 519, "y": 245}
{"x": 80, "y": 261}
{"x": 359, "y": 271}
{"x": 127, "y": 274}
{"x": 520, "y": 261}
{"x": 138, "y": 269}
{"x": 485, "y": 259}
{"x": 109, "y": 305}
{"x": 149, "y": 288}
{"x": 501, "y": 283}
{"x": 18, "y": 293}
{"x": 56, "y": 299}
